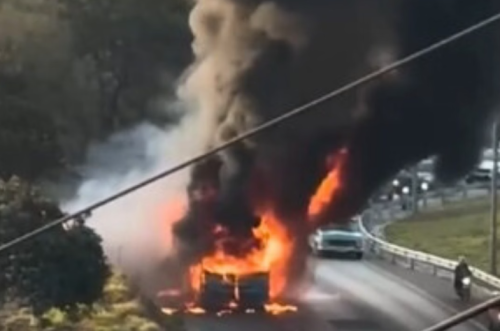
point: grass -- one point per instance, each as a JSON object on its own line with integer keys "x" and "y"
{"x": 118, "y": 310}
{"x": 458, "y": 229}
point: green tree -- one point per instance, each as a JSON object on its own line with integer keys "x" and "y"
{"x": 133, "y": 44}
{"x": 75, "y": 71}
{"x": 34, "y": 56}
{"x": 61, "y": 268}
{"x": 29, "y": 145}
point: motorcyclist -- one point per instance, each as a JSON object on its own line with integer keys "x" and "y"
{"x": 462, "y": 271}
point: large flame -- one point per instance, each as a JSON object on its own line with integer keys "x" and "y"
{"x": 270, "y": 253}
{"x": 329, "y": 187}
{"x": 268, "y": 250}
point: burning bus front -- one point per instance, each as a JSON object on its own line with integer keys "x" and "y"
{"x": 241, "y": 293}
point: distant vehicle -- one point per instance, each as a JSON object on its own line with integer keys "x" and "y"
{"x": 479, "y": 176}
{"x": 339, "y": 238}
{"x": 402, "y": 185}
{"x": 488, "y": 154}
{"x": 426, "y": 166}
{"x": 383, "y": 194}
{"x": 219, "y": 292}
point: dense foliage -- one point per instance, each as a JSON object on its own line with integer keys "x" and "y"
{"x": 62, "y": 268}
{"x": 118, "y": 310}
{"x": 75, "y": 71}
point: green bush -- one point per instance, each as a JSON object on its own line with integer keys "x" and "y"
{"x": 117, "y": 311}
{"x": 458, "y": 229}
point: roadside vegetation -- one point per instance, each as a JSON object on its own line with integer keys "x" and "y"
{"x": 72, "y": 73}
{"x": 457, "y": 229}
{"x": 119, "y": 309}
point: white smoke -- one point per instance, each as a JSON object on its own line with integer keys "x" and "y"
{"x": 136, "y": 228}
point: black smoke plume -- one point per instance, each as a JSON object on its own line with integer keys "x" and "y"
{"x": 258, "y": 59}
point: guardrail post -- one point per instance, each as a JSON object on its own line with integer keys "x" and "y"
{"x": 389, "y": 252}
{"x": 442, "y": 193}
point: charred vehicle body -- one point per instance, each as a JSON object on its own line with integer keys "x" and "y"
{"x": 225, "y": 291}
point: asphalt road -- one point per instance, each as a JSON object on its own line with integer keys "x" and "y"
{"x": 368, "y": 295}
{"x": 344, "y": 295}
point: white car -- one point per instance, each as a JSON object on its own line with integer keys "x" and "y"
{"x": 338, "y": 238}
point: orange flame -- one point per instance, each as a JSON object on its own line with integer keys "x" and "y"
{"x": 270, "y": 251}
{"x": 171, "y": 213}
{"x": 277, "y": 309}
{"x": 169, "y": 311}
{"x": 329, "y": 187}
{"x": 271, "y": 255}
{"x": 196, "y": 311}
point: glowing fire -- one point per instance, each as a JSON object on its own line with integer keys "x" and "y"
{"x": 277, "y": 309}
{"x": 268, "y": 251}
{"x": 270, "y": 254}
{"x": 328, "y": 188}
{"x": 272, "y": 308}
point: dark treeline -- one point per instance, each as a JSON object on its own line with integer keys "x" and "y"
{"x": 75, "y": 71}
{"x": 72, "y": 72}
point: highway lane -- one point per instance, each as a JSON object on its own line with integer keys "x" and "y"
{"x": 344, "y": 295}
{"x": 369, "y": 295}
{"x": 413, "y": 300}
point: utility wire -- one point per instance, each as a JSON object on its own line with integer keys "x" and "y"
{"x": 252, "y": 132}
{"x": 465, "y": 315}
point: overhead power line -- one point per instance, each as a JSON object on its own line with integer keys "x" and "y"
{"x": 265, "y": 126}
{"x": 465, "y": 315}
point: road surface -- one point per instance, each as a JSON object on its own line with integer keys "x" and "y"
{"x": 343, "y": 295}
{"x": 369, "y": 295}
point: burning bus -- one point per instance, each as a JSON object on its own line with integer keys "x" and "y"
{"x": 222, "y": 294}
{"x": 249, "y": 269}
{"x": 226, "y": 283}
{"x": 241, "y": 293}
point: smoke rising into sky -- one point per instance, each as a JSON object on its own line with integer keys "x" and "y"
{"x": 136, "y": 228}
{"x": 258, "y": 59}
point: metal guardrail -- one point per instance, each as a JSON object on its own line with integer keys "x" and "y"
{"x": 436, "y": 263}
{"x": 453, "y": 193}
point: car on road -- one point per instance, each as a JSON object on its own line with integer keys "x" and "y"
{"x": 479, "y": 176}
{"x": 344, "y": 238}
{"x": 222, "y": 291}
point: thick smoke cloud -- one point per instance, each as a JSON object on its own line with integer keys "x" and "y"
{"x": 137, "y": 228}
{"x": 441, "y": 106}
{"x": 258, "y": 59}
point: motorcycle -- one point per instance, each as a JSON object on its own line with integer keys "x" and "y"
{"x": 464, "y": 291}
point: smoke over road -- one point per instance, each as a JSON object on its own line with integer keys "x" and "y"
{"x": 257, "y": 59}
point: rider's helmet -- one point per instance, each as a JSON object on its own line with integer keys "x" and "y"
{"x": 462, "y": 260}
